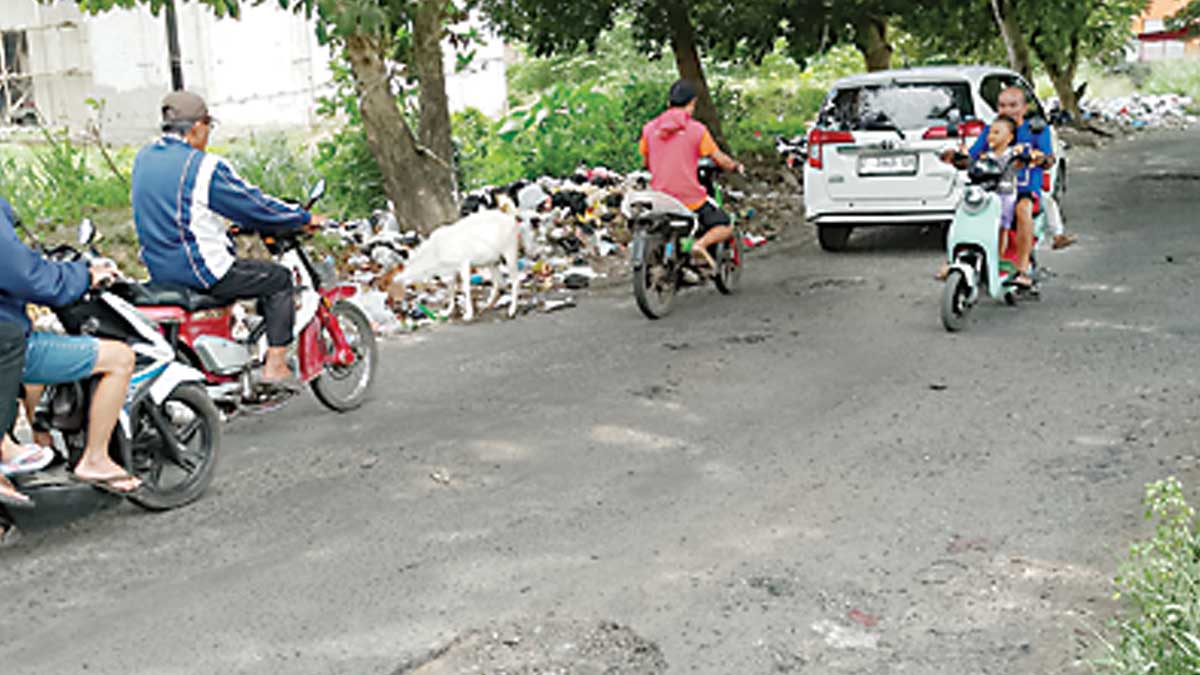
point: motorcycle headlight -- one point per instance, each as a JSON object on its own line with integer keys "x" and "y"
{"x": 975, "y": 197}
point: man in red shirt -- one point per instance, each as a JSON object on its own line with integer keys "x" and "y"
{"x": 672, "y": 145}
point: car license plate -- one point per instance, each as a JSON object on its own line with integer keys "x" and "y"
{"x": 887, "y": 165}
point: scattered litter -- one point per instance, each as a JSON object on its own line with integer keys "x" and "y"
{"x": 1139, "y": 111}
{"x": 441, "y": 476}
{"x": 581, "y": 236}
{"x": 555, "y": 305}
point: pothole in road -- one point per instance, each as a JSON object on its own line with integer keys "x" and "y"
{"x": 748, "y": 339}
{"x": 545, "y": 648}
{"x": 809, "y": 284}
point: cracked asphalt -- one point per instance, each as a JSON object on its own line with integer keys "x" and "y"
{"x": 809, "y": 477}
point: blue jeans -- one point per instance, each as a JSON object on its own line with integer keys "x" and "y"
{"x": 51, "y": 358}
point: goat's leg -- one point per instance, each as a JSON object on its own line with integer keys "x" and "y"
{"x": 514, "y": 275}
{"x": 468, "y": 299}
{"x": 452, "y": 288}
{"x": 495, "y": 294}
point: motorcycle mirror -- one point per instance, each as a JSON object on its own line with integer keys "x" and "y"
{"x": 317, "y": 191}
{"x": 1037, "y": 125}
{"x": 952, "y": 120}
{"x": 87, "y": 232}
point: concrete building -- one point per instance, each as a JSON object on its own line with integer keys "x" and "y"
{"x": 1154, "y": 41}
{"x": 263, "y": 70}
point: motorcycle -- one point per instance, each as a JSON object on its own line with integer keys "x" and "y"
{"x": 335, "y": 351}
{"x": 664, "y": 232}
{"x": 972, "y": 248}
{"x": 168, "y": 432}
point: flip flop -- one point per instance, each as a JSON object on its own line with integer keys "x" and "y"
{"x": 34, "y": 458}
{"x": 108, "y": 484}
{"x": 9, "y": 500}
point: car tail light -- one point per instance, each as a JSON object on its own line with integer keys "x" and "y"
{"x": 820, "y": 137}
{"x": 965, "y": 130}
{"x": 1046, "y": 182}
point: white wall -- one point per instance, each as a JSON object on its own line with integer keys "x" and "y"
{"x": 264, "y": 70}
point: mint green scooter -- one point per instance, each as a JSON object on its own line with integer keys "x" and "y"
{"x": 972, "y": 248}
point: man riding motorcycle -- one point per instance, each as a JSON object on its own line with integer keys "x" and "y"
{"x": 672, "y": 145}
{"x": 1013, "y": 103}
{"x": 181, "y": 198}
{"x": 54, "y": 359}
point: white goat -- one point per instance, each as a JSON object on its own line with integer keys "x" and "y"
{"x": 481, "y": 239}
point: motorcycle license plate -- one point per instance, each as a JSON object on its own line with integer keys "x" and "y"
{"x": 887, "y": 165}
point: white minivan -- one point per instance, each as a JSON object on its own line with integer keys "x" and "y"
{"x": 873, "y": 153}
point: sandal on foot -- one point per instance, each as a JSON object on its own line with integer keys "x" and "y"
{"x": 1062, "y": 241}
{"x": 109, "y": 483}
{"x": 1020, "y": 282}
{"x": 16, "y": 502}
{"x": 32, "y": 458}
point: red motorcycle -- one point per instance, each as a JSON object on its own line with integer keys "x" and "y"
{"x": 335, "y": 351}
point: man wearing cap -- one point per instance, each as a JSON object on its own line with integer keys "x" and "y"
{"x": 672, "y": 145}
{"x": 182, "y": 197}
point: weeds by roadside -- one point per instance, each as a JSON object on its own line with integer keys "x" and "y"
{"x": 1160, "y": 630}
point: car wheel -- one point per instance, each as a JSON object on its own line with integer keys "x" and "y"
{"x": 833, "y": 238}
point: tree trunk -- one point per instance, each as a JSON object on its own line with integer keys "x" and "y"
{"x": 1005, "y": 13}
{"x": 687, "y": 61}
{"x": 416, "y": 181}
{"x": 870, "y": 36}
{"x": 1062, "y": 75}
{"x": 430, "y": 71}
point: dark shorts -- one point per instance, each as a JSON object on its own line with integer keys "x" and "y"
{"x": 710, "y": 216}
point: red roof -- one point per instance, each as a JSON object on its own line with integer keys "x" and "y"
{"x": 1164, "y": 35}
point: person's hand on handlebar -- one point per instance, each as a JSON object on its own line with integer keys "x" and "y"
{"x": 316, "y": 223}
{"x": 103, "y": 273}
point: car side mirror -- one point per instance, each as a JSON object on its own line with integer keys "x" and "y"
{"x": 87, "y": 232}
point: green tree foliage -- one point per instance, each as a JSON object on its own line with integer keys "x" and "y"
{"x": 1187, "y": 17}
{"x": 552, "y": 27}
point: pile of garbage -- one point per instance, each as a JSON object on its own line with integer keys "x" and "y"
{"x": 1141, "y": 111}
{"x": 582, "y": 235}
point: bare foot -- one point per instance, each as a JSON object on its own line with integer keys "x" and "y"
{"x": 943, "y": 272}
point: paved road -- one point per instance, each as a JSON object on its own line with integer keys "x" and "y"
{"x": 812, "y": 478}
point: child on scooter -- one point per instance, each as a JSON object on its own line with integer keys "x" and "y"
{"x": 1000, "y": 136}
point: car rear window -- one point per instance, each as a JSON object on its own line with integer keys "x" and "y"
{"x": 905, "y": 105}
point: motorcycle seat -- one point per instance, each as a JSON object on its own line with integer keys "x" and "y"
{"x": 656, "y": 203}
{"x": 172, "y": 295}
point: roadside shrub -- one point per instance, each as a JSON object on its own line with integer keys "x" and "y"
{"x": 1159, "y": 584}
{"x": 271, "y": 161}
{"x": 1174, "y": 77}
{"x": 59, "y": 181}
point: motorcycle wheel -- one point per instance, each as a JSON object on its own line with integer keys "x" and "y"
{"x": 729, "y": 273}
{"x": 197, "y": 425}
{"x": 654, "y": 284}
{"x": 955, "y": 309}
{"x": 344, "y": 388}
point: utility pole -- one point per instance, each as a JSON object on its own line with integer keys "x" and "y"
{"x": 173, "y": 47}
